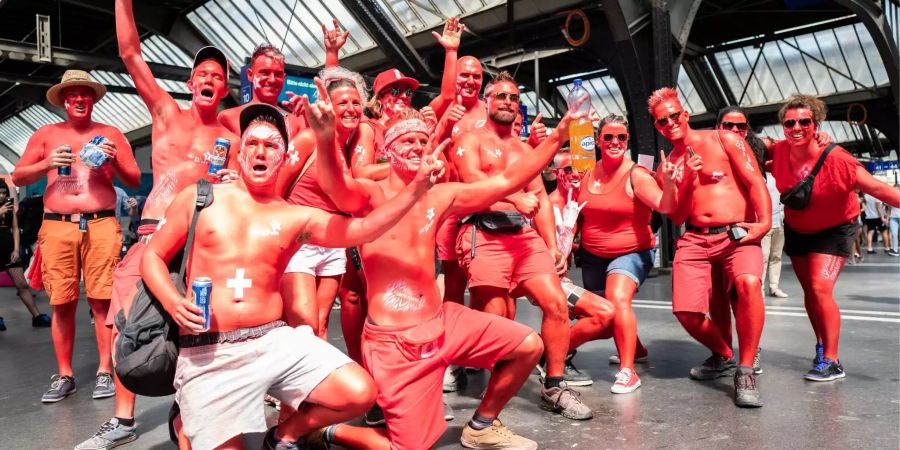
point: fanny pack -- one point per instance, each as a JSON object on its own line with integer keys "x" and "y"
{"x": 798, "y": 197}
{"x": 497, "y": 221}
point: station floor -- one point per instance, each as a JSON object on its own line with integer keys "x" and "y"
{"x": 861, "y": 411}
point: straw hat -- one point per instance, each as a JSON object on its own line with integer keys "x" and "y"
{"x": 74, "y": 78}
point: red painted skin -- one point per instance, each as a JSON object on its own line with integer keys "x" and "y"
{"x": 740, "y": 196}
{"x": 818, "y": 291}
{"x": 94, "y": 192}
{"x": 470, "y": 156}
{"x": 416, "y": 233}
{"x": 237, "y": 210}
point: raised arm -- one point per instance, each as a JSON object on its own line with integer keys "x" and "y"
{"x": 878, "y": 189}
{"x": 156, "y": 98}
{"x": 648, "y": 191}
{"x": 743, "y": 164}
{"x": 449, "y": 39}
{"x": 334, "y": 40}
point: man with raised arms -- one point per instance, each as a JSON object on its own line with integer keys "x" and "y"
{"x": 183, "y": 139}
{"x": 411, "y": 335}
{"x": 726, "y": 209}
{"x": 80, "y": 236}
{"x": 224, "y": 371}
{"x": 505, "y": 257}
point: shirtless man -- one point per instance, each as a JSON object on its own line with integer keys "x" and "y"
{"x": 406, "y": 314}
{"x": 726, "y": 209}
{"x": 80, "y": 234}
{"x": 506, "y": 258}
{"x": 225, "y": 370}
{"x": 182, "y": 141}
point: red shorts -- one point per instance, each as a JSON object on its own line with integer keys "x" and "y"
{"x": 503, "y": 259}
{"x": 699, "y": 257}
{"x": 408, "y": 366}
{"x": 445, "y": 239}
{"x": 125, "y": 278}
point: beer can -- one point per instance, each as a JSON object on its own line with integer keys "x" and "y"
{"x": 65, "y": 171}
{"x": 219, "y": 155}
{"x": 202, "y": 287}
{"x": 91, "y": 155}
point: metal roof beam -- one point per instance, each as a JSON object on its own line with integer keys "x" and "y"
{"x": 8, "y": 154}
{"x": 47, "y": 82}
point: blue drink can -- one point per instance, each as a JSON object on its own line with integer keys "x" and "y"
{"x": 91, "y": 155}
{"x": 202, "y": 287}
{"x": 219, "y": 155}
{"x": 65, "y": 171}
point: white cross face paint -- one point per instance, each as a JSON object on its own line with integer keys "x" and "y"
{"x": 429, "y": 221}
{"x": 239, "y": 283}
{"x": 399, "y": 297}
{"x": 832, "y": 267}
{"x": 261, "y": 137}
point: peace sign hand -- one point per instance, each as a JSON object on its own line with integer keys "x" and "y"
{"x": 431, "y": 168}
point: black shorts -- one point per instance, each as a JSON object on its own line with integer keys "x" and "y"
{"x": 837, "y": 241}
{"x": 7, "y": 245}
{"x": 875, "y": 225}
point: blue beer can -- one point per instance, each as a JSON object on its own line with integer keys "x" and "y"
{"x": 202, "y": 287}
{"x": 219, "y": 155}
{"x": 65, "y": 171}
{"x": 91, "y": 155}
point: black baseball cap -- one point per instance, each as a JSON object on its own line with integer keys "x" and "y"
{"x": 270, "y": 113}
{"x": 210, "y": 52}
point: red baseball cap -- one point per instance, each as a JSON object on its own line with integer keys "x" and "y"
{"x": 392, "y": 76}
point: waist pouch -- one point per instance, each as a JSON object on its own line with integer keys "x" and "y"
{"x": 497, "y": 221}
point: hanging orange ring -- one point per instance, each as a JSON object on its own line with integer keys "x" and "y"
{"x": 565, "y": 28}
{"x": 865, "y": 113}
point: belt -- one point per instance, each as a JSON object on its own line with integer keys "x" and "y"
{"x": 77, "y": 216}
{"x": 708, "y": 230}
{"x": 221, "y": 337}
{"x": 148, "y": 222}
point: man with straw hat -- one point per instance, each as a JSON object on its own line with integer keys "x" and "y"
{"x": 80, "y": 235}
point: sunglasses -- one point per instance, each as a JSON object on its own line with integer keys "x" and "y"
{"x": 732, "y": 125}
{"x": 502, "y": 96}
{"x": 396, "y": 91}
{"x": 620, "y": 137}
{"x": 804, "y": 122}
{"x": 663, "y": 121}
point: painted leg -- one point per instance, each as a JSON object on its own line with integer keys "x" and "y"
{"x": 509, "y": 375}
{"x": 705, "y": 332}
{"x": 100, "y": 308}
{"x": 749, "y": 316}
{"x": 326, "y": 293}
{"x": 62, "y": 331}
{"x": 620, "y": 290}
{"x": 547, "y": 292}
{"x": 298, "y": 291}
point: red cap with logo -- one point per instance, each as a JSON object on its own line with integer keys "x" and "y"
{"x": 392, "y": 76}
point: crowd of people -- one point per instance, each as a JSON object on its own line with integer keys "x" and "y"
{"x": 343, "y": 195}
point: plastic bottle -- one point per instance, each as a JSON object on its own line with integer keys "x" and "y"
{"x": 581, "y": 132}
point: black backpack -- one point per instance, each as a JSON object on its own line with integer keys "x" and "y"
{"x": 147, "y": 347}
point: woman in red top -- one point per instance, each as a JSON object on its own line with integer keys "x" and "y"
{"x": 617, "y": 244}
{"x": 819, "y": 237}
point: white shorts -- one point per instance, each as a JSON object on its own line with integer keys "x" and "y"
{"x": 220, "y": 387}
{"x": 318, "y": 261}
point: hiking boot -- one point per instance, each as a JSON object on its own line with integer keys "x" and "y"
{"x": 757, "y": 362}
{"x": 495, "y": 436}
{"x": 111, "y": 434}
{"x": 455, "y": 378}
{"x": 746, "y": 392}
{"x": 626, "y": 381}
{"x": 614, "y": 359}
{"x": 60, "y": 388}
{"x": 375, "y": 416}
{"x": 826, "y": 370}
{"x": 714, "y": 367}
{"x": 564, "y": 401}
{"x": 820, "y": 354}
{"x": 105, "y": 387}
{"x": 40, "y": 321}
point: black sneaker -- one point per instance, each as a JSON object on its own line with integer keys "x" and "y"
{"x": 820, "y": 354}
{"x": 574, "y": 377}
{"x": 714, "y": 367}
{"x": 375, "y": 416}
{"x": 757, "y": 362}
{"x": 826, "y": 370}
{"x": 60, "y": 388}
{"x": 104, "y": 387}
{"x": 746, "y": 391}
{"x": 40, "y": 321}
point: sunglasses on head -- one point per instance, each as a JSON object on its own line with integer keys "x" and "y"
{"x": 664, "y": 120}
{"x": 620, "y": 137}
{"x": 506, "y": 96}
{"x": 396, "y": 91}
{"x": 732, "y": 125}
{"x": 804, "y": 122}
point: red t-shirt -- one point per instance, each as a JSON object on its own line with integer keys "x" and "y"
{"x": 833, "y": 200}
{"x": 614, "y": 224}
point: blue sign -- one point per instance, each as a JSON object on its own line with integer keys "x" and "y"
{"x": 882, "y": 166}
{"x": 298, "y": 84}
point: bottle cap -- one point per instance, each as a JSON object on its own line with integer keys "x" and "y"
{"x": 578, "y": 82}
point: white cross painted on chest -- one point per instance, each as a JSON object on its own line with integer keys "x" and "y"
{"x": 239, "y": 283}
{"x": 460, "y": 151}
{"x": 293, "y": 158}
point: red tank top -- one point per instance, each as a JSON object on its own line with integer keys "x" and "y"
{"x": 615, "y": 224}
{"x": 306, "y": 192}
{"x": 833, "y": 200}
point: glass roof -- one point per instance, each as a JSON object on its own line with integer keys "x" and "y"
{"x": 412, "y": 16}
{"x": 825, "y": 62}
{"x": 238, "y": 26}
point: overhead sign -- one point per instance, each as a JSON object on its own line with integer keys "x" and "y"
{"x": 882, "y": 166}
